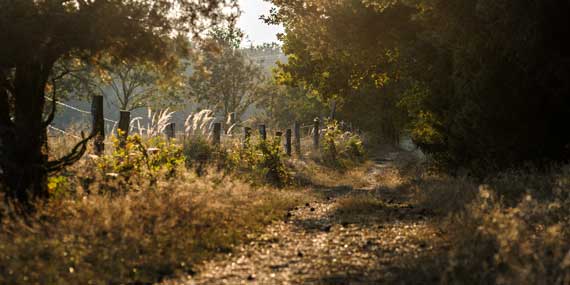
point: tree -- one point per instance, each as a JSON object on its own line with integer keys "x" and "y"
{"x": 501, "y": 99}
{"x": 223, "y": 77}
{"x": 333, "y": 52}
{"x": 136, "y": 84}
{"x": 477, "y": 83}
{"x": 37, "y": 34}
{"x": 283, "y": 104}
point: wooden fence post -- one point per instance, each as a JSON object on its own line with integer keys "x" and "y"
{"x": 98, "y": 124}
{"x": 316, "y": 134}
{"x": 263, "y": 132}
{"x": 288, "y": 142}
{"x": 171, "y": 131}
{"x": 124, "y": 124}
{"x": 297, "y": 131}
{"x": 217, "y": 133}
{"x": 246, "y": 136}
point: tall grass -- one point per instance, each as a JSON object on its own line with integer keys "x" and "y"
{"x": 156, "y": 123}
{"x": 199, "y": 124}
{"x": 512, "y": 229}
{"x": 132, "y": 227}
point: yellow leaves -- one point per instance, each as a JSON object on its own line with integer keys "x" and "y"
{"x": 48, "y": 89}
{"x": 103, "y": 75}
{"x": 424, "y": 128}
{"x": 76, "y": 63}
{"x": 57, "y": 185}
{"x": 380, "y": 79}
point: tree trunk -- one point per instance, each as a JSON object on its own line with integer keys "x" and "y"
{"x": 6, "y": 131}
{"x": 25, "y": 173}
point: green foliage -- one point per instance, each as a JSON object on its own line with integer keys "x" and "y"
{"x": 144, "y": 235}
{"x": 478, "y": 84}
{"x": 341, "y": 148}
{"x": 261, "y": 160}
{"x": 38, "y": 34}
{"x": 333, "y": 54}
{"x": 199, "y": 152}
{"x": 149, "y": 159}
{"x": 57, "y": 186}
{"x": 284, "y": 104}
{"x": 223, "y": 78}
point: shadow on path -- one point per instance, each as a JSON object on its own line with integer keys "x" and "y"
{"x": 372, "y": 235}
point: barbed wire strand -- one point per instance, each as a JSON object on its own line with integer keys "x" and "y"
{"x": 63, "y": 132}
{"x": 79, "y": 110}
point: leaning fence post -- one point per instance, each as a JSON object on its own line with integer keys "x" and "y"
{"x": 98, "y": 124}
{"x": 171, "y": 131}
{"x": 263, "y": 132}
{"x": 123, "y": 129}
{"x": 288, "y": 142}
{"x": 297, "y": 130}
{"x": 246, "y": 136}
{"x": 316, "y": 134}
{"x": 217, "y": 133}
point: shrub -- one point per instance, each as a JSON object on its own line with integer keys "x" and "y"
{"x": 524, "y": 244}
{"x": 261, "y": 160}
{"x": 140, "y": 237}
{"x": 198, "y": 152}
{"x": 147, "y": 159}
{"x": 341, "y": 148}
{"x": 512, "y": 230}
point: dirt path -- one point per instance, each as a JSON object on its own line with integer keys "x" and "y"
{"x": 352, "y": 236}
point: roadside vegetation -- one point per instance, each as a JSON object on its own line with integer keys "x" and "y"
{"x": 510, "y": 229}
{"x": 149, "y": 210}
{"x": 479, "y": 88}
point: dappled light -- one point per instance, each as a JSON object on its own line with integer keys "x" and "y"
{"x": 185, "y": 142}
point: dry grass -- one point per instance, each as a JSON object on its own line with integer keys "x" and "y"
{"x": 101, "y": 229}
{"x": 309, "y": 172}
{"x": 513, "y": 229}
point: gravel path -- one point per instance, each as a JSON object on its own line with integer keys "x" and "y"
{"x": 319, "y": 243}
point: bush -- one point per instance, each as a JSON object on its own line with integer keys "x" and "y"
{"x": 144, "y": 234}
{"x": 260, "y": 160}
{"x": 341, "y": 148}
{"x": 512, "y": 230}
{"x": 135, "y": 158}
{"x": 496, "y": 97}
{"x": 199, "y": 152}
{"x": 524, "y": 244}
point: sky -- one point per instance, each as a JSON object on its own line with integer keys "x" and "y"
{"x": 257, "y": 31}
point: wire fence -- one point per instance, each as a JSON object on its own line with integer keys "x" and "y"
{"x": 80, "y": 111}
{"x": 300, "y": 132}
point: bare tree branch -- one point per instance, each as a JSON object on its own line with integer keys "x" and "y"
{"x": 76, "y": 153}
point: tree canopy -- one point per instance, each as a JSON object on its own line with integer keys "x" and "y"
{"x": 37, "y": 34}
{"x": 223, "y": 78}
{"x": 475, "y": 83}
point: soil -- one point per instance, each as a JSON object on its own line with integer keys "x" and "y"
{"x": 324, "y": 242}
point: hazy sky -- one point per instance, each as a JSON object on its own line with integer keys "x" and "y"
{"x": 257, "y": 31}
